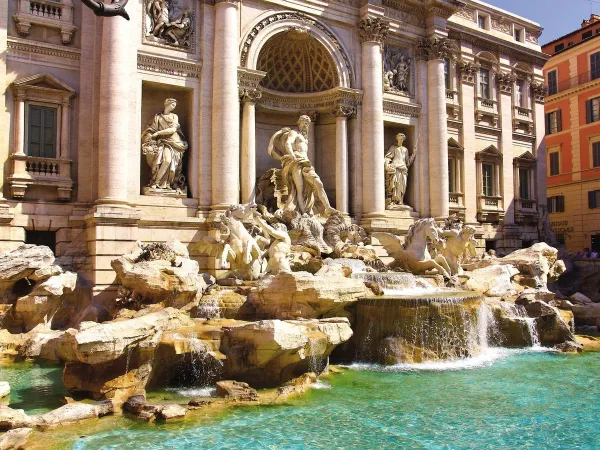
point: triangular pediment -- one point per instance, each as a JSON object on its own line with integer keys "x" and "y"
{"x": 454, "y": 144}
{"x": 43, "y": 81}
{"x": 491, "y": 150}
{"x": 527, "y": 156}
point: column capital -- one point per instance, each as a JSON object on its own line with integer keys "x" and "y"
{"x": 540, "y": 90}
{"x": 505, "y": 82}
{"x": 340, "y": 110}
{"x": 468, "y": 71}
{"x": 432, "y": 48}
{"x": 373, "y": 29}
{"x": 249, "y": 95}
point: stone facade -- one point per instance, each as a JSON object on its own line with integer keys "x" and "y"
{"x": 457, "y": 78}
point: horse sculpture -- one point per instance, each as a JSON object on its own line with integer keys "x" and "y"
{"x": 413, "y": 256}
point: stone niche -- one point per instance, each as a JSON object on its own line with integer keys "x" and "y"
{"x": 390, "y": 131}
{"x": 153, "y": 97}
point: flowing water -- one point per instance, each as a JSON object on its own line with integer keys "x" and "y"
{"x": 501, "y": 399}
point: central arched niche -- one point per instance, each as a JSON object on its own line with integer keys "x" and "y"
{"x": 296, "y": 62}
{"x": 298, "y": 65}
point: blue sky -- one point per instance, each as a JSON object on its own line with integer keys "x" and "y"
{"x": 557, "y": 17}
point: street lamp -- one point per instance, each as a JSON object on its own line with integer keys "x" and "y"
{"x": 115, "y": 8}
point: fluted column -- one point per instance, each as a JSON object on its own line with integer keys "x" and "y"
{"x": 65, "y": 129}
{"x": 225, "y": 107}
{"x": 372, "y": 32}
{"x": 434, "y": 50}
{"x": 342, "y": 188}
{"x": 117, "y": 72}
{"x": 248, "y": 169}
{"x": 506, "y": 187}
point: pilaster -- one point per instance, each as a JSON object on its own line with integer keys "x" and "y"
{"x": 505, "y": 85}
{"x": 341, "y": 114}
{"x": 468, "y": 72}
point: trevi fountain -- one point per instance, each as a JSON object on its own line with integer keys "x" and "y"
{"x": 314, "y": 332}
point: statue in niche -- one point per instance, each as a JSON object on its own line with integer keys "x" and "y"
{"x": 164, "y": 144}
{"x": 162, "y": 26}
{"x": 398, "y": 160}
{"x": 296, "y": 185}
{"x": 396, "y": 72}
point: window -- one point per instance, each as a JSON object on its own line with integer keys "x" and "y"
{"x": 447, "y": 73}
{"x": 524, "y": 183}
{"x": 487, "y": 171}
{"x": 570, "y": 44}
{"x": 554, "y": 163}
{"x": 553, "y": 122}
{"x": 482, "y": 22}
{"x": 559, "y": 47}
{"x": 596, "y": 154}
{"x": 595, "y": 65}
{"x": 484, "y": 83}
{"x": 586, "y": 35}
{"x": 594, "y": 199}
{"x": 41, "y": 132}
{"x": 517, "y": 35}
{"x": 556, "y": 204}
{"x": 592, "y": 110}
{"x": 520, "y": 93}
{"x": 560, "y": 238}
{"x": 552, "y": 82}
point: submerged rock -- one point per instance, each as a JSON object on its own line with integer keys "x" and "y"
{"x": 138, "y": 406}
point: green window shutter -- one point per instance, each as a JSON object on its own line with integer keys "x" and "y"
{"x": 588, "y": 111}
{"x": 35, "y": 131}
{"x": 560, "y": 203}
{"x": 548, "y": 123}
{"x": 549, "y": 204}
{"x": 49, "y": 150}
{"x": 559, "y": 120}
{"x": 591, "y": 199}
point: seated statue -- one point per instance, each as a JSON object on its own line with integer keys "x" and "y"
{"x": 296, "y": 185}
{"x": 163, "y": 144}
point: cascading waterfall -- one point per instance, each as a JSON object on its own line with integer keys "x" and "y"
{"x": 519, "y": 312}
{"x": 209, "y": 308}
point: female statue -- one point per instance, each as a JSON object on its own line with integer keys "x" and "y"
{"x": 397, "y": 162}
{"x": 163, "y": 144}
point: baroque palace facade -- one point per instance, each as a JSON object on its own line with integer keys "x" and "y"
{"x": 84, "y": 97}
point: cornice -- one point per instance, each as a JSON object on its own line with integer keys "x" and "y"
{"x": 574, "y": 90}
{"x": 397, "y": 108}
{"x": 42, "y": 48}
{"x": 322, "y": 101}
{"x": 168, "y": 66}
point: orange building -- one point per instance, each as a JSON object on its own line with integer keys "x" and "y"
{"x": 573, "y": 135}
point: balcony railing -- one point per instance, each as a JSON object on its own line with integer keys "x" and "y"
{"x": 579, "y": 79}
{"x": 46, "y": 14}
{"x": 44, "y": 172}
{"x": 45, "y": 8}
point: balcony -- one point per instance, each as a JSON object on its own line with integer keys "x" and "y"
{"x": 34, "y": 171}
{"x": 523, "y": 120}
{"x": 452, "y": 105}
{"x": 457, "y": 204}
{"x": 486, "y": 112}
{"x": 525, "y": 211}
{"x": 48, "y": 14}
{"x": 490, "y": 208}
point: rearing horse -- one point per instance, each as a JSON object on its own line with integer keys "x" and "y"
{"x": 413, "y": 256}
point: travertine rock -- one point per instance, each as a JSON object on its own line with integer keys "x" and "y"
{"x": 24, "y": 262}
{"x": 13, "y": 418}
{"x": 236, "y": 390}
{"x": 4, "y": 389}
{"x": 493, "y": 281}
{"x": 551, "y": 327}
{"x": 586, "y": 314}
{"x": 15, "y": 439}
{"x": 303, "y": 295}
{"x": 271, "y": 352}
{"x": 72, "y": 413}
{"x": 580, "y": 299}
{"x": 171, "y": 412}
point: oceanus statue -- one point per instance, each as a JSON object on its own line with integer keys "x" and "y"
{"x": 115, "y": 8}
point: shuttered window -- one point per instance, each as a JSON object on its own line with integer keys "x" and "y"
{"x": 556, "y": 204}
{"x": 554, "y": 122}
{"x": 524, "y": 184}
{"x": 592, "y": 110}
{"x": 596, "y": 154}
{"x": 552, "y": 82}
{"x": 594, "y": 199}
{"x": 595, "y": 65}
{"x": 42, "y": 132}
{"x": 554, "y": 163}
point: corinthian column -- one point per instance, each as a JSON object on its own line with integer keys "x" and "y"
{"x": 372, "y": 32}
{"x": 225, "y": 107}
{"x": 248, "y": 172}
{"x": 434, "y": 50}
{"x": 342, "y": 188}
{"x": 117, "y": 71}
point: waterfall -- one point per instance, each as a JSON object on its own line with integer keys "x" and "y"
{"x": 316, "y": 362}
{"x": 520, "y": 313}
{"x": 209, "y": 308}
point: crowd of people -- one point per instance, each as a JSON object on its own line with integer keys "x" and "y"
{"x": 587, "y": 254}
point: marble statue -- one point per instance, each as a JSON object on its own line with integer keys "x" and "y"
{"x": 235, "y": 246}
{"x": 280, "y": 247}
{"x": 348, "y": 240}
{"x": 162, "y": 27}
{"x": 297, "y": 185}
{"x": 164, "y": 144}
{"x": 460, "y": 246}
{"x": 413, "y": 256}
{"x": 396, "y": 72}
{"x": 397, "y": 162}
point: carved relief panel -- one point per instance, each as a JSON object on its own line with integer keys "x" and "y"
{"x": 398, "y": 73}
{"x": 170, "y": 23}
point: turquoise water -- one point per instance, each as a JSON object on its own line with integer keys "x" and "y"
{"x": 36, "y": 388}
{"x": 510, "y": 399}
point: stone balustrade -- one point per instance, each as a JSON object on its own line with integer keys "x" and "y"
{"x": 37, "y": 171}
{"x": 46, "y": 13}
{"x": 490, "y": 208}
